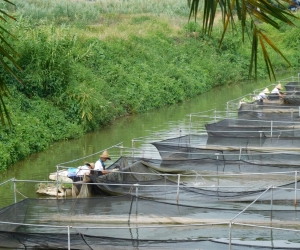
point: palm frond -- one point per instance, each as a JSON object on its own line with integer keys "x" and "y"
{"x": 4, "y": 114}
{"x": 266, "y": 57}
{"x": 5, "y": 14}
{"x": 253, "y": 61}
{"x": 250, "y": 13}
{"x": 6, "y": 50}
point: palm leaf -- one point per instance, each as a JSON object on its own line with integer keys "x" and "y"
{"x": 4, "y": 92}
{"x": 250, "y": 13}
{"x": 253, "y": 61}
{"x": 266, "y": 57}
{"x": 5, "y": 14}
{"x": 5, "y": 51}
{"x": 274, "y": 47}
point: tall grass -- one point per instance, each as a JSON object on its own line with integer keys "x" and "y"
{"x": 84, "y": 12}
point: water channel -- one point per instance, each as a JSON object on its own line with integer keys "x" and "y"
{"x": 38, "y": 166}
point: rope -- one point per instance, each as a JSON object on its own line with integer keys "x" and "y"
{"x": 117, "y": 145}
{"x": 82, "y": 236}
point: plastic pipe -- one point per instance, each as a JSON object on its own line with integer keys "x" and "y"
{"x": 132, "y": 148}
{"x": 56, "y": 181}
{"x": 69, "y": 239}
{"x": 136, "y": 197}
{"x": 15, "y": 190}
{"x": 271, "y": 128}
{"x": 177, "y": 198}
{"x": 230, "y": 234}
{"x": 295, "y": 199}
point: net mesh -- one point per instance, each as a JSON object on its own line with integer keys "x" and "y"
{"x": 270, "y": 112}
{"x": 127, "y": 222}
{"x": 292, "y": 87}
{"x": 253, "y": 128}
{"x": 229, "y": 151}
{"x": 164, "y": 183}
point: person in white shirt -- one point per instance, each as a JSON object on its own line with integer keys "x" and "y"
{"x": 262, "y": 95}
{"x": 99, "y": 165}
{"x": 85, "y": 170}
{"x": 275, "y": 93}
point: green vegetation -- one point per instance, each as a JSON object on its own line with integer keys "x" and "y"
{"x": 86, "y": 63}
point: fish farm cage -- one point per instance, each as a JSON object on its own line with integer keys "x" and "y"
{"x": 152, "y": 215}
{"x": 292, "y": 88}
{"x": 218, "y": 180}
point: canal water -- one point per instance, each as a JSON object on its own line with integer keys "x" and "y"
{"x": 38, "y": 166}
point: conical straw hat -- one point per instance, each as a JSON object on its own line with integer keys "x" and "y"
{"x": 266, "y": 91}
{"x": 105, "y": 155}
{"x": 279, "y": 86}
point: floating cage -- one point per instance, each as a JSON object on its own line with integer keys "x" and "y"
{"x": 131, "y": 222}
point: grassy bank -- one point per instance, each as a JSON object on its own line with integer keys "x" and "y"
{"x": 87, "y": 62}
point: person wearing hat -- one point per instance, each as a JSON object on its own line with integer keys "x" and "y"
{"x": 99, "y": 165}
{"x": 275, "y": 93}
{"x": 262, "y": 95}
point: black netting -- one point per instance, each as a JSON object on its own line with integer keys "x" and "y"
{"x": 232, "y": 151}
{"x": 16, "y": 240}
{"x": 14, "y": 214}
{"x": 253, "y": 128}
{"x": 211, "y": 164}
{"x": 128, "y": 222}
{"x": 271, "y": 112}
{"x": 191, "y": 194}
{"x": 162, "y": 184}
{"x": 293, "y": 98}
{"x": 292, "y": 87}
